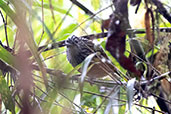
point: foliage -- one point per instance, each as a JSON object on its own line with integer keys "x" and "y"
{"x": 36, "y": 77}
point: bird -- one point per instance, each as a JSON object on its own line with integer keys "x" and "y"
{"x": 78, "y": 48}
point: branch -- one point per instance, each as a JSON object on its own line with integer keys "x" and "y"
{"x": 5, "y": 26}
{"x": 6, "y": 68}
{"x": 162, "y": 10}
{"x": 153, "y": 109}
{"x": 49, "y": 71}
{"x": 96, "y": 36}
{"x": 87, "y": 11}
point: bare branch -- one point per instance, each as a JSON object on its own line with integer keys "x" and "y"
{"x": 162, "y": 10}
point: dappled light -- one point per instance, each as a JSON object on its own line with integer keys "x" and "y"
{"x": 85, "y": 56}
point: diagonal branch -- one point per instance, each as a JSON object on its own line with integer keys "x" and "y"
{"x": 162, "y": 10}
{"x": 86, "y": 10}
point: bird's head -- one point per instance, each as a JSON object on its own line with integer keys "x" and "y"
{"x": 72, "y": 41}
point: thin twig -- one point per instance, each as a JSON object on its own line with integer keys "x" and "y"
{"x": 70, "y": 100}
{"x": 104, "y": 100}
{"x": 86, "y": 10}
{"x": 42, "y": 23}
{"x": 50, "y": 71}
{"x": 92, "y": 93}
{"x": 161, "y": 98}
{"x": 144, "y": 61}
{"x": 98, "y": 82}
{"x": 94, "y": 36}
{"x": 150, "y": 108}
{"x": 51, "y": 9}
{"x": 62, "y": 20}
{"x": 93, "y": 16}
{"x": 5, "y": 26}
{"x": 162, "y": 10}
{"x": 52, "y": 56}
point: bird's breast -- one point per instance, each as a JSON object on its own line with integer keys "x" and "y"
{"x": 74, "y": 56}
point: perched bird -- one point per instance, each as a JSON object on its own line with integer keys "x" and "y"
{"x": 78, "y": 48}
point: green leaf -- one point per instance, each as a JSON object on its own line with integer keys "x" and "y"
{"x": 123, "y": 97}
{"x": 60, "y": 2}
{"x": 151, "y": 53}
{"x": 7, "y": 9}
{"x": 18, "y": 19}
{"x": 84, "y": 69}
{"x": 122, "y": 109}
{"x": 8, "y": 58}
{"x": 95, "y": 4}
{"x": 55, "y": 8}
{"x": 64, "y": 33}
{"x": 75, "y": 69}
{"x": 50, "y": 97}
{"x": 98, "y": 102}
{"x": 113, "y": 101}
{"x": 6, "y": 95}
{"x": 130, "y": 92}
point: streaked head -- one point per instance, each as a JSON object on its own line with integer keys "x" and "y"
{"x": 72, "y": 41}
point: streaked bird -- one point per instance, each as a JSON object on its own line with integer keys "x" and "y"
{"x": 78, "y": 48}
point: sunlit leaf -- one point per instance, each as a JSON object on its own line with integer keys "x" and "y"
{"x": 95, "y": 4}
{"x": 55, "y": 8}
{"x": 8, "y": 57}
{"x": 6, "y": 94}
{"x": 123, "y": 97}
{"x": 50, "y": 97}
{"x": 18, "y": 19}
{"x": 151, "y": 53}
{"x": 64, "y": 33}
{"x": 85, "y": 68}
{"x": 60, "y": 2}
{"x": 130, "y": 92}
{"x": 98, "y": 102}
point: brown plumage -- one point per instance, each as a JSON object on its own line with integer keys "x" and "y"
{"x": 78, "y": 48}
